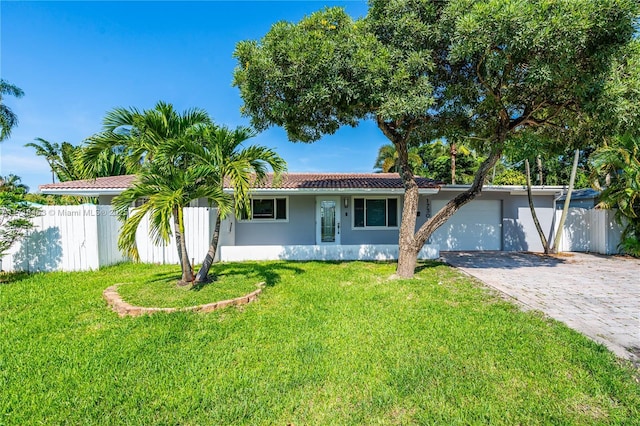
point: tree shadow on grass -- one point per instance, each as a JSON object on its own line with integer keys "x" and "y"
{"x": 427, "y": 264}
{"x": 13, "y": 277}
{"x": 269, "y": 273}
{"x": 165, "y": 277}
{"x": 501, "y": 259}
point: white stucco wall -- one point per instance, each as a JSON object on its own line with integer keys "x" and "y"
{"x": 312, "y": 252}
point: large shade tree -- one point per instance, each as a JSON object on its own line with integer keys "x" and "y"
{"x": 485, "y": 70}
{"x": 8, "y": 119}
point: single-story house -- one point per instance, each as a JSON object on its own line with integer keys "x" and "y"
{"x": 357, "y": 216}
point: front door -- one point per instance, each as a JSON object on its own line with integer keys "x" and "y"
{"x": 328, "y": 220}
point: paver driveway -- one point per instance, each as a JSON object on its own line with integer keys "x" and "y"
{"x": 596, "y": 295}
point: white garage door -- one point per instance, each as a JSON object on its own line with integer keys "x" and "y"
{"x": 476, "y": 226}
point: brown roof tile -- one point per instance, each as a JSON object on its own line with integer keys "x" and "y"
{"x": 342, "y": 181}
{"x": 288, "y": 181}
{"x": 111, "y": 182}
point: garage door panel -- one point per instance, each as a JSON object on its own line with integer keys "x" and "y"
{"x": 476, "y": 226}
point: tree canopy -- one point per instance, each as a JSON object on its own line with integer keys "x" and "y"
{"x": 487, "y": 71}
{"x": 387, "y": 159}
{"x": 8, "y": 119}
{"x": 67, "y": 161}
{"x": 164, "y": 176}
{"x": 617, "y": 173}
{"x": 15, "y": 212}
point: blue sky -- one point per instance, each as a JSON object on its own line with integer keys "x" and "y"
{"x": 77, "y": 60}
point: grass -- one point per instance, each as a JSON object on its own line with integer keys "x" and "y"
{"x": 155, "y": 286}
{"x": 326, "y": 343}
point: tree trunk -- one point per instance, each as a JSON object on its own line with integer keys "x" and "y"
{"x": 565, "y": 210}
{"x": 187, "y": 272}
{"x": 437, "y": 220}
{"x": 410, "y": 247}
{"x": 407, "y": 250}
{"x": 203, "y": 274}
{"x": 407, "y": 253}
{"x": 454, "y": 154}
{"x": 409, "y": 241}
{"x": 539, "y": 164}
{"x": 176, "y": 226}
{"x": 543, "y": 239}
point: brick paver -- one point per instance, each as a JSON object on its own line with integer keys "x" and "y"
{"x": 597, "y": 295}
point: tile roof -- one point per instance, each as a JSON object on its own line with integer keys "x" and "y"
{"x": 288, "y": 181}
{"x": 342, "y": 181}
{"x": 111, "y": 182}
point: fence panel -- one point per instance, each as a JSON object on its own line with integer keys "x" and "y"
{"x": 77, "y": 238}
{"x": 108, "y": 232}
{"x": 63, "y": 238}
{"x": 575, "y": 234}
{"x": 197, "y": 229}
{"x": 593, "y": 230}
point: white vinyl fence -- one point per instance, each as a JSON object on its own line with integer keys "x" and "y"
{"x": 590, "y": 230}
{"x": 80, "y": 238}
{"x": 199, "y": 223}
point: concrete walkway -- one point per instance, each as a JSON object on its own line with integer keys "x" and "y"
{"x": 596, "y": 295}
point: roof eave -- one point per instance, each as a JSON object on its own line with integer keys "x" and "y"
{"x": 82, "y": 192}
{"x": 334, "y": 191}
{"x": 511, "y": 189}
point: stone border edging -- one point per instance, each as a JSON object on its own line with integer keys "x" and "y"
{"x": 123, "y": 308}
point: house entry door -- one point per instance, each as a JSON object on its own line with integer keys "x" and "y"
{"x": 328, "y": 220}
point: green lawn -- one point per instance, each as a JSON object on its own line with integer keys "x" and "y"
{"x": 326, "y": 343}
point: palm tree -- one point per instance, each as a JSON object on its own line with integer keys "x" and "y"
{"x": 66, "y": 161}
{"x": 440, "y": 159}
{"x": 112, "y": 162}
{"x": 388, "y": 162}
{"x": 8, "y": 119}
{"x": 51, "y": 153}
{"x": 454, "y": 150}
{"x": 616, "y": 170}
{"x": 221, "y": 151}
{"x": 13, "y": 183}
{"x": 167, "y": 188}
{"x": 138, "y": 135}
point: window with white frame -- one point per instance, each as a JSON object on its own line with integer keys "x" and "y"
{"x": 375, "y": 212}
{"x": 272, "y": 208}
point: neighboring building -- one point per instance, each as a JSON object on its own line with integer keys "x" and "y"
{"x": 357, "y": 216}
{"x": 582, "y": 198}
